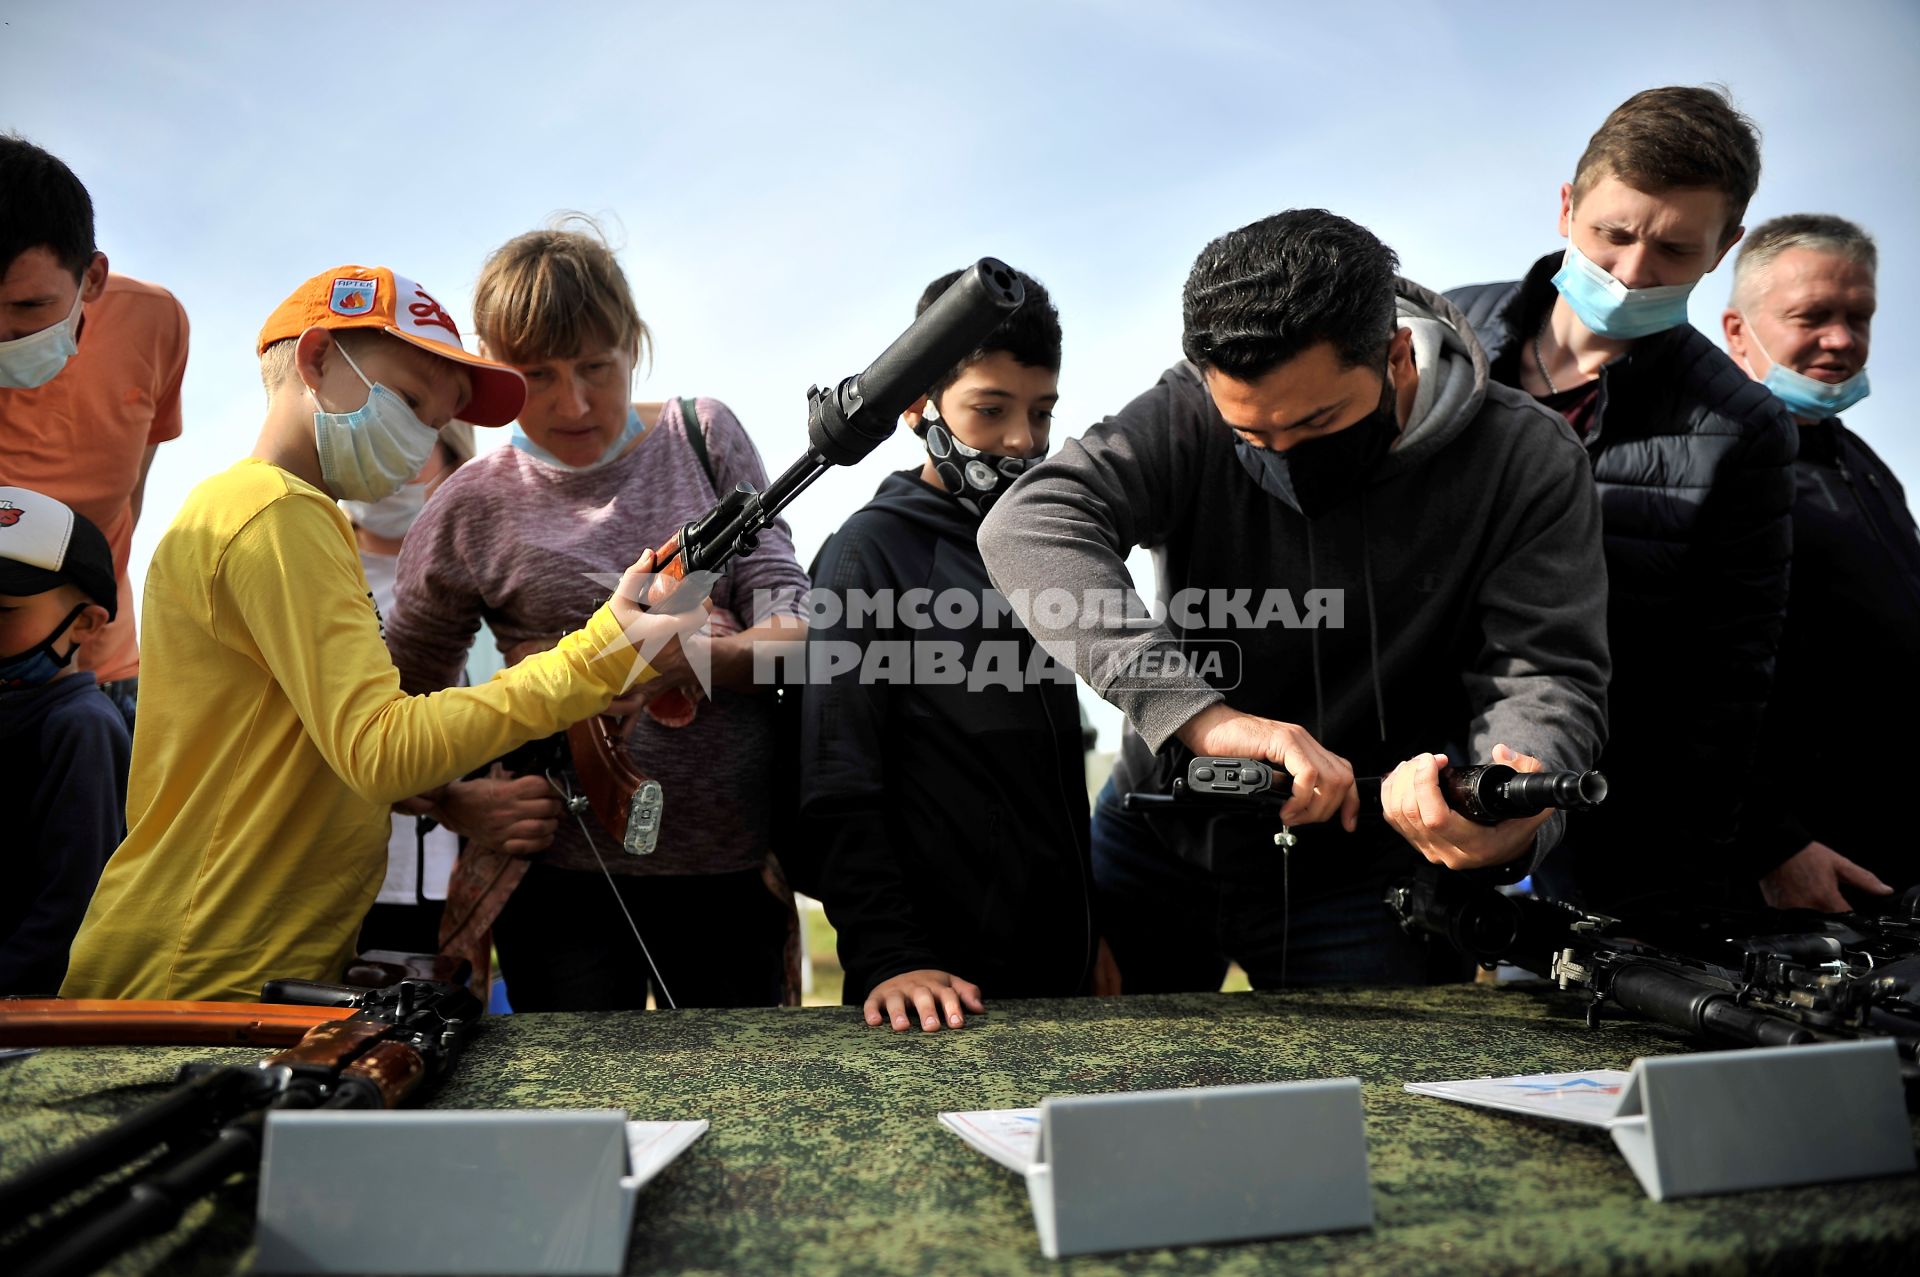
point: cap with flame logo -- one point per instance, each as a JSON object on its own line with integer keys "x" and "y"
{"x": 375, "y": 297}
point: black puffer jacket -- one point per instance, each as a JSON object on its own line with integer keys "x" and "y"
{"x": 1694, "y": 463}
{"x": 1847, "y": 667}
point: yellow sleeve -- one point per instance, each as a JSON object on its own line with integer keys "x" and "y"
{"x": 289, "y": 592}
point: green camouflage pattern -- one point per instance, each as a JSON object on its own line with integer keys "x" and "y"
{"x": 825, "y": 1156}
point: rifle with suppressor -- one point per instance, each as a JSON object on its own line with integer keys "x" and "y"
{"x": 1742, "y": 977}
{"x": 844, "y": 424}
{"x": 1486, "y": 794}
{"x": 391, "y": 1045}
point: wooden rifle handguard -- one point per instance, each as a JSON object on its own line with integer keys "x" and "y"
{"x": 116, "y": 1022}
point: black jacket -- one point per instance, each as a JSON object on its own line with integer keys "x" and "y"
{"x": 63, "y": 787}
{"x": 1693, "y": 461}
{"x": 1849, "y": 663}
{"x": 951, "y": 815}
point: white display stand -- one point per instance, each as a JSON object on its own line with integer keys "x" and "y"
{"x": 1727, "y": 1121}
{"x": 430, "y": 1192}
{"x": 1172, "y": 1168}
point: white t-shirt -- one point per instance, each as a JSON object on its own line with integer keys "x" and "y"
{"x": 404, "y": 858}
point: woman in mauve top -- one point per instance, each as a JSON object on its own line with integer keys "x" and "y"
{"x": 524, "y": 538}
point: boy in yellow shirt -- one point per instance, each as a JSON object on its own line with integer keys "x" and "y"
{"x": 273, "y": 734}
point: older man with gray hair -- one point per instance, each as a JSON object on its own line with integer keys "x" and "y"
{"x": 1799, "y": 322}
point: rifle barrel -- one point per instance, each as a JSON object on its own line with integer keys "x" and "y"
{"x": 152, "y": 1204}
{"x": 185, "y": 1108}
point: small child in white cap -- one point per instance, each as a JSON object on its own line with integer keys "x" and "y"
{"x": 63, "y": 745}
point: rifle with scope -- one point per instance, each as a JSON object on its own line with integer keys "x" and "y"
{"x": 377, "y": 1048}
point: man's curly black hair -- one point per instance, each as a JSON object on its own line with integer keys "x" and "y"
{"x": 1260, "y": 295}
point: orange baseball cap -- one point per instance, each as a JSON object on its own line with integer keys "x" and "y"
{"x": 375, "y": 297}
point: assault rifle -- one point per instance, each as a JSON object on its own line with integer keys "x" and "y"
{"x": 391, "y": 1045}
{"x": 1739, "y": 977}
{"x": 1486, "y": 794}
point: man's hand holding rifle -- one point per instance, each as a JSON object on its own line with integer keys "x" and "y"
{"x": 1411, "y": 797}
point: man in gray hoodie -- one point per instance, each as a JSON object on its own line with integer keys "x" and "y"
{"x": 1371, "y": 559}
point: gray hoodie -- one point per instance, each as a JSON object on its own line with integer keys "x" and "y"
{"x": 1465, "y": 589}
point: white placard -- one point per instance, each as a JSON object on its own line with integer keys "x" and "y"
{"x": 1169, "y": 1168}
{"x": 446, "y": 1191}
{"x": 1727, "y": 1121}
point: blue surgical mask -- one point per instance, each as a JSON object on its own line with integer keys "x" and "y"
{"x": 38, "y": 666}
{"x": 1806, "y": 396}
{"x": 614, "y": 451}
{"x": 371, "y": 452}
{"x": 37, "y": 358}
{"x": 1609, "y": 308}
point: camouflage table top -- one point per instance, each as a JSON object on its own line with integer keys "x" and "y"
{"x": 825, "y": 1155}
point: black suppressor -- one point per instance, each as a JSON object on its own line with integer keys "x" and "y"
{"x": 1493, "y": 792}
{"x": 847, "y": 422}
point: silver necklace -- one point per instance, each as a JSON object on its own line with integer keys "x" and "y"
{"x": 1540, "y": 362}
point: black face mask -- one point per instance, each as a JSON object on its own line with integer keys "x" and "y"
{"x": 1317, "y": 475}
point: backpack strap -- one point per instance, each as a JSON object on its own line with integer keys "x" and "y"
{"x": 697, "y": 436}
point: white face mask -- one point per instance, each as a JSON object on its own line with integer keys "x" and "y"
{"x": 613, "y": 452}
{"x": 390, "y": 517}
{"x": 37, "y": 358}
{"x": 371, "y": 452}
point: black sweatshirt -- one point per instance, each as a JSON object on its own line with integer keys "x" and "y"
{"x": 63, "y": 787}
{"x": 951, "y": 815}
{"x": 1469, "y": 565}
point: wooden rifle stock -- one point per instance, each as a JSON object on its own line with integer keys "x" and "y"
{"x": 607, "y": 774}
{"x": 112, "y": 1022}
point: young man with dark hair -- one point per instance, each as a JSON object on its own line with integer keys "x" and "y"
{"x": 63, "y": 746}
{"x": 90, "y": 372}
{"x": 951, "y": 810}
{"x": 1800, "y": 322}
{"x": 1397, "y": 565}
{"x": 277, "y": 736}
{"x": 1693, "y": 463}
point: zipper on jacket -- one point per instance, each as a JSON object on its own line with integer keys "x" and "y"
{"x": 1846, "y": 477}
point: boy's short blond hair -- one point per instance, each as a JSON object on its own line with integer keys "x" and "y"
{"x": 555, "y": 293}
{"x": 276, "y": 361}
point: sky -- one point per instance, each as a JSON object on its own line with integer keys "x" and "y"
{"x": 782, "y": 179}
